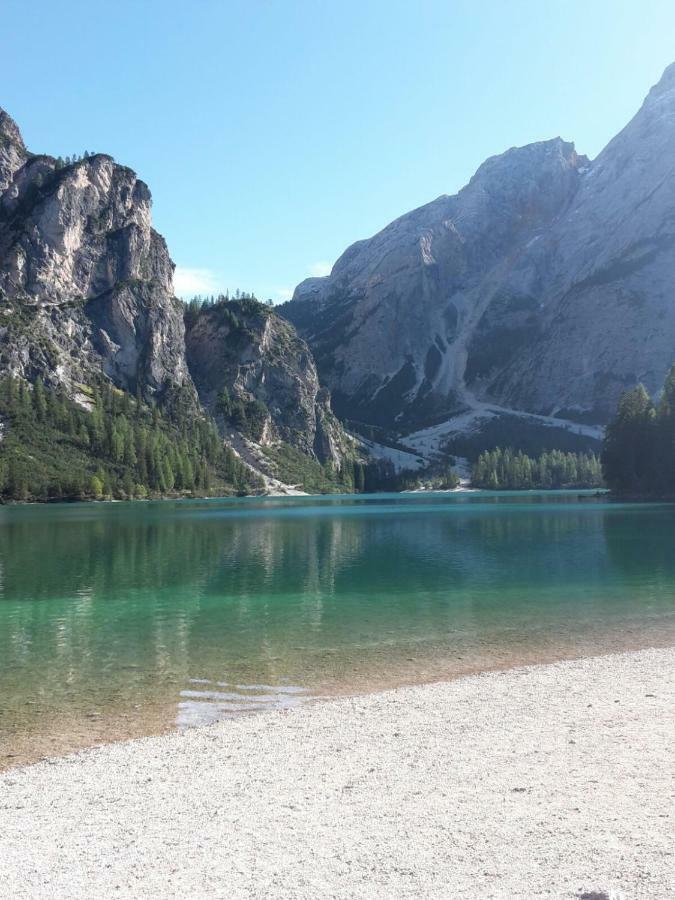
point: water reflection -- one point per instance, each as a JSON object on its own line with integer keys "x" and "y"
{"x": 192, "y": 608}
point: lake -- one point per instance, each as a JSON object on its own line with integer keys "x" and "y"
{"x": 131, "y": 618}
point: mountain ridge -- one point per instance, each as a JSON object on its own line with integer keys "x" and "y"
{"x": 517, "y": 292}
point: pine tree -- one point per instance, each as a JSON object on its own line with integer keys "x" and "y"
{"x": 627, "y": 456}
{"x": 39, "y": 400}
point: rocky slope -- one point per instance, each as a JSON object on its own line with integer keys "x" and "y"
{"x": 13, "y": 153}
{"x": 544, "y": 287}
{"x": 254, "y": 374}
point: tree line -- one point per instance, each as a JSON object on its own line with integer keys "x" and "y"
{"x": 61, "y": 163}
{"x": 244, "y": 302}
{"x": 379, "y": 475}
{"x": 117, "y": 447}
{"x": 638, "y": 455}
{"x": 506, "y": 469}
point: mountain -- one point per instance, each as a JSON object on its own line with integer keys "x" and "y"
{"x": 528, "y": 301}
{"x": 13, "y": 153}
{"x": 87, "y": 307}
{"x": 258, "y": 379}
{"x": 85, "y": 281}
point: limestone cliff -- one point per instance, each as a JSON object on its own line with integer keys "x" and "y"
{"x": 86, "y": 297}
{"x": 544, "y": 287}
{"x": 85, "y": 281}
{"x": 254, "y": 373}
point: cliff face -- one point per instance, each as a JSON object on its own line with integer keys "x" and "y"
{"x": 544, "y": 286}
{"x": 85, "y": 282}
{"x": 268, "y": 375}
{"x": 603, "y": 275}
{"x": 13, "y": 153}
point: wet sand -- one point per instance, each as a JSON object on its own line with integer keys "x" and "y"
{"x": 30, "y": 735}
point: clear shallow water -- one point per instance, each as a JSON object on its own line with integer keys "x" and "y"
{"x": 122, "y": 619}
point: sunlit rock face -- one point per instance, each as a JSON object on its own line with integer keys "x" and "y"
{"x": 85, "y": 281}
{"x": 13, "y": 153}
{"x": 545, "y": 285}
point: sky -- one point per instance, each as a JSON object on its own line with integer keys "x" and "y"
{"x": 275, "y": 133}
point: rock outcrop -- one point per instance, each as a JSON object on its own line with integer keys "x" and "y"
{"x": 544, "y": 286}
{"x": 603, "y": 277}
{"x": 13, "y": 153}
{"x": 85, "y": 281}
{"x": 242, "y": 351}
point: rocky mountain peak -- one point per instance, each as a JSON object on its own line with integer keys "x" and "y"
{"x": 242, "y": 350}
{"x": 543, "y": 287}
{"x": 10, "y": 130}
{"x": 13, "y": 153}
{"x": 666, "y": 86}
{"x": 548, "y": 156}
{"x": 86, "y": 296}
{"x": 85, "y": 281}
{"x": 523, "y": 186}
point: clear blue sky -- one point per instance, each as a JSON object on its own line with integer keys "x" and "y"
{"x": 274, "y": 133}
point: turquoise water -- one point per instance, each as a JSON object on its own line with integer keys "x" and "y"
{"x": 120, "y": 619}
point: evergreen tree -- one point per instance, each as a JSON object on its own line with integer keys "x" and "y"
{"x": 500, "y": 469}
{"x": 50, "y": 445}
{"x": 638, "y": 455}
{"x": 39, "y": 400}
{"x": 628, "y": 450}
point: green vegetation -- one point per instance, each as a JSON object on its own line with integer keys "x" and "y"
{"x": 509, "y": 470}
{"x": 121, "y": 448}
{"x": 294, "y": 467}
{"x": 381, "y": 475}
{"x": 232, "y": 310}
{"x": 240, "y": 314}
{"x": 247, "y": 416}
{"x": 62, "y": 163}
{"x": 440, "y": 478}
{"x": 638, "y": 456}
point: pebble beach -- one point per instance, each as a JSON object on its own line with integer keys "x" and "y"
{"x": 550, "y": 781}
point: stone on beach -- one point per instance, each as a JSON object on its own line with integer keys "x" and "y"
{"x": 530, "y": 782}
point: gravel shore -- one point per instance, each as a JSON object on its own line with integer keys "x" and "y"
{"x": 550, "y": 781}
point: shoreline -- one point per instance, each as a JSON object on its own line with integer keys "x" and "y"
{"x": 378, "y": 795}
{"x": 415, "y": 667}
{"x": 295, "y": 494}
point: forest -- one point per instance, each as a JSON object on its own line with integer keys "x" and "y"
{"x": 505, "y": 469}
{"x": 117, "y": 448}
{"x": 638, "y": 456}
